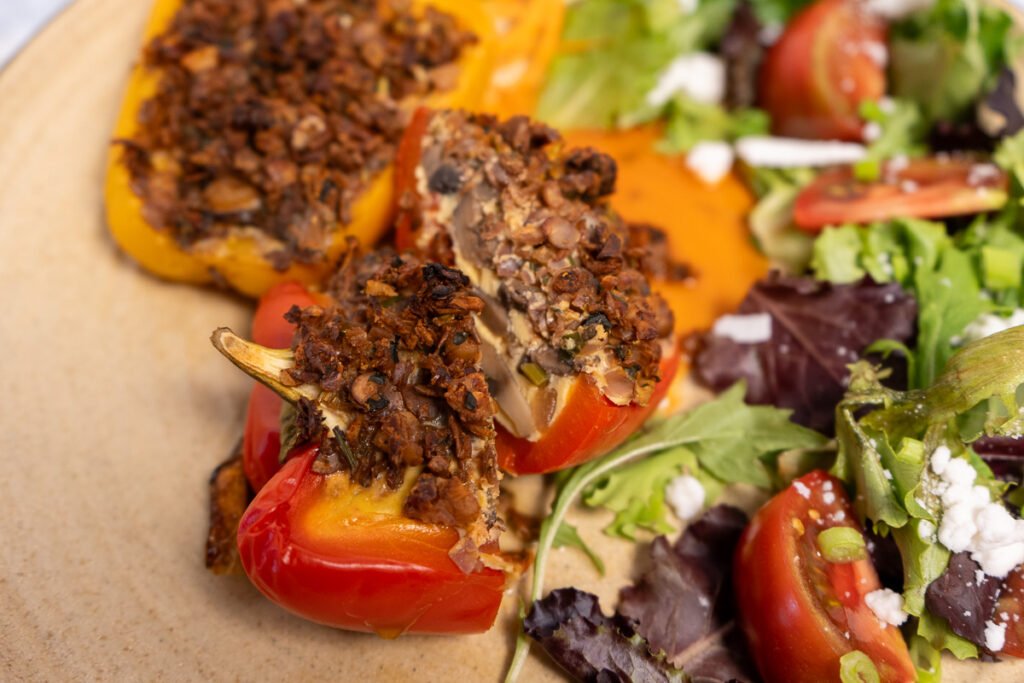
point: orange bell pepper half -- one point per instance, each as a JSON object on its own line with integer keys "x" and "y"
{"x": 239, "y": 260}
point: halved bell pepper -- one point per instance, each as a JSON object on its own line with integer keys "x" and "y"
{"x": 529, "y": 223}
{"x": 239, "y": 260}
{"x": 344, "y": 556}
{"x": 383, "y": 517}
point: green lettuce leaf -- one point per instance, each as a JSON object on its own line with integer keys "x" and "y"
{"x": 612, "y": 54}
{"x": 884, "y": 438}
{"x": 567, "y": 536}
{"x": 771, "y": 219}
{"x": 901, "y": 131}
{"x": 946, "y": 276}
{"x": 948, "y": 57}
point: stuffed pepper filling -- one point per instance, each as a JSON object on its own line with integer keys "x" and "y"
{"x": 270, "y": 118}
{"x": 387, "y": 380}
{"x": 564, "y": 286}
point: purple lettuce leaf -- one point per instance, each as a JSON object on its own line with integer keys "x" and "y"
{"x": 817, "y": 330}
{"x": 590, "y": 646}
{"x": 964, "y": 597}
{"x": 679, "y": 616}
{"x": 1004, "y": 455}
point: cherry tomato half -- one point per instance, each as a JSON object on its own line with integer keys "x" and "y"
{"x": 261, "y": 440}
{"x": 588, "y": 426}
{"x": 344, "y": 556}
{"x": 922, "y": 188}
{"x": 822, "y": 67}
{"x": 800, "y": 612}
{"x": 1010, "y": 611}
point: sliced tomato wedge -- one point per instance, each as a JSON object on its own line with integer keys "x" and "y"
{"x": 923, "y": 188}
{"x": 261, "y": 440}
{"x": 1010, "y": 611}
{"x": 800, "y": 612}
{"x": 822, "y": 67}
{"x": 589, "y": 425}
{"x": 344, "y": 556}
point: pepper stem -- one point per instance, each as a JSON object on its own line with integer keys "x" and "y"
{"x": 262, "y": 364}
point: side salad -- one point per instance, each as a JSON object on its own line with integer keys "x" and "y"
{"x": 871, "y": 384}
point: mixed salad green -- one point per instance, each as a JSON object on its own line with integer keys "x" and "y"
{"x": 893, "y": 356}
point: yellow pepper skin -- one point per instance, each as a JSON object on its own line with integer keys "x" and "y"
{"x": 238, "y": 260}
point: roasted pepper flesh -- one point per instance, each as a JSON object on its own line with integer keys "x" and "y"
{"x": 239, "y": 260}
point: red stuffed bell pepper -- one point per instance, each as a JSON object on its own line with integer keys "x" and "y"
{"x": 385, "y": 521}
{"x": 577, "y": 348}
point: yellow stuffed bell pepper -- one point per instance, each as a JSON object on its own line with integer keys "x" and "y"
{"x": 238, "y": 251}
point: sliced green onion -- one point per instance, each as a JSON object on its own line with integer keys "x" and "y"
{"x": 857, "y": 667}
{"x": 842, "y": 544}
{"x": 1002, "y": 268}
{"x": 911, "y": 452}
{"x": 534, "y": 373}
{"x": 868, "y": 170}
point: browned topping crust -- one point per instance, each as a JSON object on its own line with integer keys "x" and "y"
{"x": 229, "y": 496}
{"x": 399, "y": 356}
{"x": 509, "y": 202}
{"x": 274, "y": 114}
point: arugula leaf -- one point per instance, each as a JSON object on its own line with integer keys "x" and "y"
{"x": 636, "y": 492}
{"x": 948, "y": 57}
{"x": 568, "y": 536}
{"x": 727, "y": 441}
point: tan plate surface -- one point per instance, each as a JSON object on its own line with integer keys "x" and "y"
{"x": 114, "y": 408}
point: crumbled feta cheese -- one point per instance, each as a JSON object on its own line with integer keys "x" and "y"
{"x": 988, "y": 324}
{"x": 887, "y": 474}
{"x": 971, "y": 520}
{"x": 995, "y": 636}
{"x": 926, "y": 530}
{"x": 686, "y": 496}
{"x": 897, "y": 9}
{"x": 774, "y": 152}
{"x": 770, "y": 34}
{"x": 876, "y": 52}
{"x": 940, "y": 459}
{"x": 710, "y": 160}
{"x": 688, "y": 6}
{"x": 802, "y": 489}
{"x": 745, "y": 329}
{"x": 828, "y": 498}
{"x": 698, "y": 75}
{"x": 871, "y": 131}
{"x": 887, "y": 606}
{"x": 980, "y": 173}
